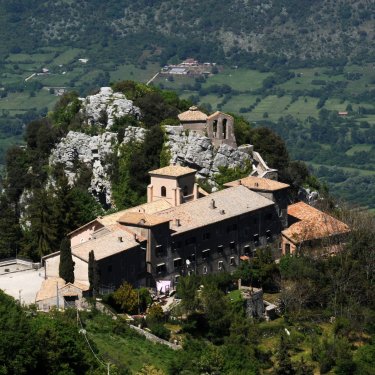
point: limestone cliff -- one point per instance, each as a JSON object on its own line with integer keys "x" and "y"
{"x": 197, "y": 151}
{"x": 93, "y": 151}
{"x": 182, "y": 147}
{"x": 104, "y": 107}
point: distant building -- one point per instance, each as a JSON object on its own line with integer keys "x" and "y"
{"x": 178, "y": 71}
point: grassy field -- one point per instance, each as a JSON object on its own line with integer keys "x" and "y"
{"x": 238, "y": 79}
{"x": 20, "y": 102}
{"x": 131, "y": 72}
{"x": 359, "y": 148}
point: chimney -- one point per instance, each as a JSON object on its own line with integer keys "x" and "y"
{"x": 177, "y": 222}
{"x": 240, "y": 182}
{"x": 119, "y": 239}
{"x": 135, "y": 237}
{"x": 222, "y": 212}
{"x": 212, "y": 203}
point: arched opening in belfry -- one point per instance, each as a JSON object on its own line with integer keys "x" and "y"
{"x": 214, "y": 128}
{"x": 163, "y": 191}
{"x": 225, "y": 130}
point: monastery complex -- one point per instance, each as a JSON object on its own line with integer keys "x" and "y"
{"x": 183, "y": 230}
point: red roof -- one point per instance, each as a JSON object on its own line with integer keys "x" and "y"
{"x": 312, "y": 224}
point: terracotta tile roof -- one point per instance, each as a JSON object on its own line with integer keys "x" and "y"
{"x": 48, "y": 288}
{"x": 313, "y": 224}
{"x": 173, "y": 171}
{"x": 217, "y": 113}
{"x": 142, "y": 219}
{"x": 193, "y": 114}
{"x": 258, "y": 183}
{"x": 106, "y": 245}
{"x": 228, "y": 203}
{"x": 112, "y": 219}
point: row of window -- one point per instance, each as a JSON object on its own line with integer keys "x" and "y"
{"x": 161, "y": 269}
{"x": 191, "y": 240}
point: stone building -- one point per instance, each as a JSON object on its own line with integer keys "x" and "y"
{"x": 54, "y": 292}
{"x": 205, "y": 235}
{"x": 219, "y": 126}
{"x": 310, "y": 229}
{"x": 118, "y": 252}
{"x": 175, "y": 184}
{"x": 271, "y": 189}
{"x": 177, "y": 232}
{"x": 181, "y": 231}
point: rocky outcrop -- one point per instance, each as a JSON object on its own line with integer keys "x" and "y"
{"x": 104, "y": 107}
{"x": 196, "y": 151}
{"x": 92, "y": 151}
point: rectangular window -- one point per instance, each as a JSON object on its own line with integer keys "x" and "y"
{"x": 231, "y": 261}
{"x": 220, "y": 265}
{"x": 206, "y": 254}
{"x": 161, "y": 268}
{"x": 256, "y": 239}
{"x": 287, "y": 248}
{"x": 176, "y": 278}
{"x": 246, "y": 250}
{"x": 159, "y": 250}
{"x": 204, "y": 270}
{"x": 177, "y": 263}
{"x": 268, "y": 235}
{"x": 220, "y": 249}
{"x": 232, "y": 245}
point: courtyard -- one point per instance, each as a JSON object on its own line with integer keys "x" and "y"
{"x": 22, "y": 285}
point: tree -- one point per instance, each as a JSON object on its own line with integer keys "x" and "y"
{"x": 284, "y": 363}
{"x": 42, "y": 216}
{"x": 187, "y": 291}
{"x": 216, "y": 308}
{"x": 126, "y": 297}
{"x": 150, "y": 370}
{"x": 10, "y": 231}
{"x": 66, "y": 267}
{"x": 93, "y": 274}
{"x": 155, "y": 313}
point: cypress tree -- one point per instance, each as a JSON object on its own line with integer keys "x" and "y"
{"x": 93, "y": 274}
{"x": 66, "y": 268}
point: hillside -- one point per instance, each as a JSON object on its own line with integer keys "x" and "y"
{"x": 240, "y": 32}
{"x": 276, "y": 59}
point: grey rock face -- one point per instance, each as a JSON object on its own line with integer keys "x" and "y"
{"x": 106, "y": 106}
{"x": 93, "y": 151}
{"x": 197, "y": 151}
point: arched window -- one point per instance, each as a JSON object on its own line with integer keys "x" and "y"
{"x": 185, "y": 191}
{"x": 225, "y": 130}
{"x": 214, "y": 128}
{"x": 163, "y": 191}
